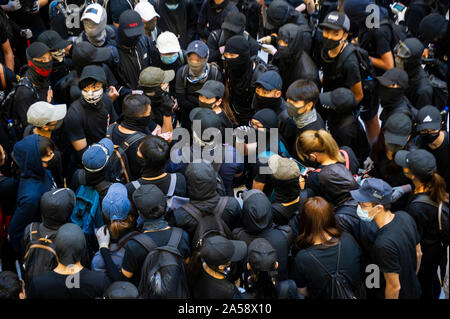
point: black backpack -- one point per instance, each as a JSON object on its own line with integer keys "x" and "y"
{"x": 118, "y": 167}
{"x": 399, "y": 32}
{"x": 208, "y": 224}
{"x": 440, "y": 92}
{"x": 163, "y": 274}
{"x": 337, "y": 286}
{"x": 443, "y": 212}
{"x": 40, "y": 256}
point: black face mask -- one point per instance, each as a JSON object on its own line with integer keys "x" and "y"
{"x": 52, "y": 163}
{"x": 429, "y": 138}
{"x": 136, "y": 123}
{"x": 263, "y": 102}
{"x": 330, "y": 44}
{"x": 284, "y": 51}
{"x": 129, "y": 42}
{"x": 206, "y": 105}
{"x": 238, "y": 66}
{"x": 389, "y": 96}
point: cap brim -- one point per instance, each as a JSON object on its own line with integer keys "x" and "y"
{"x": 331, "y": 26}
{"x": 132, "y": 32}
{"x": 385, "y": 81}
{"x": 266, "y": 85}
{"x": 231, "y": 27}
{"x": 62, "y": 44}
{"x": 360, "y": 197}
{"x": 206, "y": 93}
{"x": 428, "y": 126}
{"x": 93, "y": 17}
{"x": 395, "y": 139}
{"x": 169, "y": 75}
{"x": 325, "y": 99}
{"x": 240, "y": 250}
{"x": 196, "y": 52}
{"x": 59, "y": 112}
{"x": 400, "y": 158}
{"x": 102, "y": 54}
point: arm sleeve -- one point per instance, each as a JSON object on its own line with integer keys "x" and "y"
{"x": 112, "y": 271}
{"x": 73, "y": 125}
{"x": 387, "y": 259}
{"x": 382, "y": 41}
{"x": 352, "y": 72}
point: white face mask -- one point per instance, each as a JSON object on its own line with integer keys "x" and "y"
{"x": 92, "y": 97}
{"x": 363, "y": 214}
{"x": 59, "y": 55}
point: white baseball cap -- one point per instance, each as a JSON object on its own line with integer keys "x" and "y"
{"x": 41, "y": 113}
{"x": 146, "y": 10}
{"x": 93, "y": 12}
{"x": 167, "y": 42}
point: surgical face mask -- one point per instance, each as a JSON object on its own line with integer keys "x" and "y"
{"x": 169, "y": 59}
{"x": 92, "y": 97}
{"x": 363, "y": 214}
{"x": 172, "y": 6}
{"x": 58, "y": 55}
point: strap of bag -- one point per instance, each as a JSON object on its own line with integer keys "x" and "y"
{"x": 321, "y": 265}
{"x": 440, "y": 216}
{"x": 2, "y": 76}
{"x": 175, "y": 237}
{"x": 130, "y": 140}
{"x": 136, "y": 184}
{"x": 123, "y": 241}
{"x": 348, "y": 50}
{"x": 220, "y": 208}
{"x": 426, "y": 200}
{"x": 193, "y": 211}
{"x": 339, "y": 256}
{"x": 347, "y": 159}
{"x": 145, "y": 241}
{"x": 110, "y": 130}
{"x": 122, "y": 163}
{"x": 173, "y": 183}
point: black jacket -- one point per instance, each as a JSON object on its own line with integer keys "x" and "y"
{"x": 216, "y": 40}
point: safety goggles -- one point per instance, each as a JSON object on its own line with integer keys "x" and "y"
{"x": 402, "y": 51}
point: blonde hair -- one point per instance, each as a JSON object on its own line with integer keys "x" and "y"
{"x": 319, "y": 141}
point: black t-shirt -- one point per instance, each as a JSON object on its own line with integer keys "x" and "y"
{"x": 51, "y": 285}
{"x": 377, "y": 41}
{"x": 394, "y": 251}
{"x": 207, "y": 287}
{"x": 135, "y": 254}
{"x": 347, "y": 75}
{"x": 86, "y": 121}
{"x": 308, "y": 273}
{"x": 163, "y": 184}
{"x": 426, "y": 218}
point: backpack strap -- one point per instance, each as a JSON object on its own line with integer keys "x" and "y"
{"x": 110, "y": 130}
{"x": 145, "y": 241}
{"x": 220, "y": 208}
{"x": 193, "y": 211}
{"x": 173, "y": 183}
{"x": 346, "y": 157}
{"x": 102, "y": 186}
{"x": 348, "y": 50}
{"x": 425, "y": 199}
{"x": 136, "y": 184}
{"x": 320, "y": 264}
{"x": 123, "y": 241}
{"x": 440, "y": 216}
{"x": 175, "y": 237}
{"x": 114, "y": 54}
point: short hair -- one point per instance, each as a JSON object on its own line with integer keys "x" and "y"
{"x": 386, "y": 206}
{"x": 10, "y": 285}
{"x": 44, "y": 144}
{"x": 155, "y": 150}
{"x": 303, "y": 90}
{"x": 135, "y": 105}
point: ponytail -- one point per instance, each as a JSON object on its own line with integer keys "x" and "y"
{"x": 118, "y": 227}
{"x": 330, "y": 146}
{"x": 318, "y": 141}
{"x": 437, "y": 187}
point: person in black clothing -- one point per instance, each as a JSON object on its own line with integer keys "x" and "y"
{"x": 420, "y": 167}
{"x": 233, "y": 24}
{"x": 132, "y": 53}
{"x": 191, "y": 77}
{"x": 149, "y": 18}
{"x": 257, "y": 222}
{"x": 343, "y": 124}
{"x": 433, "y": 31}
{"x": 263, "y": 265}
{"x": 239, "y": 70}
{"x": 268, "y": 92}
{"x": 433, "y": 138}
{"x": 216, "y": 255}
{"x": 89, "y": 116}
{"x": 96, "y": 31}
{"x": 201, "y": 181}
{"x": 151, "y": 205}
{"x": 70, "y": 245}
{"x": 153, "y": 155}
{"x": 300, "y": 114}
{"x": 396, "y": 250}
{"x": 11, "y": 287}
{"x": 38, "y": 87}
{"x": 408, "y": 57}
{"x": 321, "y": 244}
{"x": 392, "y": 92}
{"x": 178, "y": 17}
{"x": 6, "y": 52}
{"x": 58, "y": 14}
{"x": 211, "y": 16}
{"x": 27, "y": 15}
{"x": 295, "y": 63}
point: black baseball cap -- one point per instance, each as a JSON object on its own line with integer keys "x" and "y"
{"x": 211, "y": 89}
{"x": 131, "y": 23}
{"x": 150, "y": 201}
{"x": 235, "y": 22}
{"x": 85, "y": 51}
{"x": 421, "y": 162}
{"x": 336, "y": 21}
{"x": 56, "y": 206}
{"x": 218, "y": 250}
{"x": 208, "y": 117}
{"x": 121, "y": 290}
{"x": 340, "y": 99}
{"x": 53, "y": 40}
{"x": 373, "y": 190}
{"x": 397, "y": 129}
{"x": 261, "y": 255}
{"x": 93, "y": 72}
{"x": 394, "y": 76}
{"x": 36, "y": 50}
{"x": 277, "y": 14}
{"x": 270, "y": 80}
{"x": 429, "y": 118}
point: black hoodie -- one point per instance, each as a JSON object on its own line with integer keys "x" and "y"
{"x": 258, "y": 223}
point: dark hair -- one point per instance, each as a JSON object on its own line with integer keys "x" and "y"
{"x": 386, "y": 207}
{"x": 263, "y": 287}
{"x": 44, "y": 144}
{"x": 436, "y": 186}
{"x": 86, "y": 82}
{"x": 155, "y": 150}
{"x": 10, "y": 285}
{"x": 118, "y": 228}
{"x": 317, "y": 217}
{"x": 135, "y": 105}
{"x": 303, "y": 90}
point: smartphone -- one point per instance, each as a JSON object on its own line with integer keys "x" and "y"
{"x": 397, "y": 6}
{"x": 303, "y": 168}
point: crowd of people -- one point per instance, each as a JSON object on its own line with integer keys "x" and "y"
{"x": 315, "y": 164}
